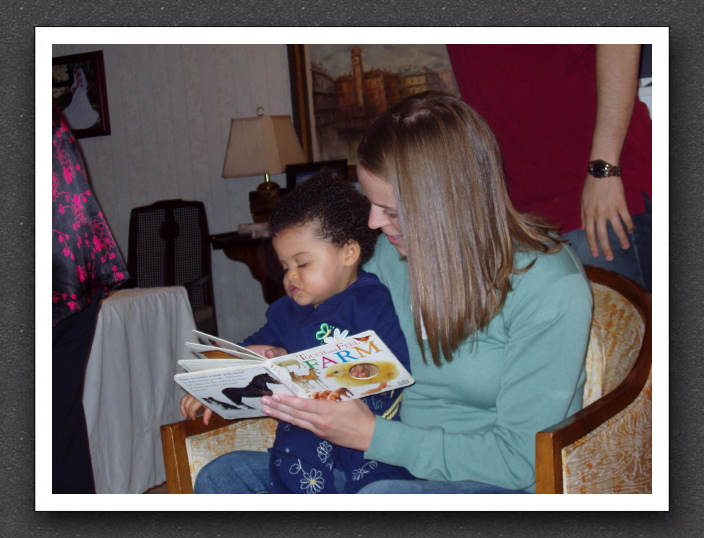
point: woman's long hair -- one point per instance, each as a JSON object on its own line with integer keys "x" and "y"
{"x": 459, "y": 225}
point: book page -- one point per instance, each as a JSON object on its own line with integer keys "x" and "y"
{"x": 232, "y": 392}
{"x": 214, "y": 341}
{"x": 198, "y": 365}
{"x": 217, "y": 353}
{"x": 353, "y": 367}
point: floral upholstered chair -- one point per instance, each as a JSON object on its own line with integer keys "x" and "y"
{"x": 605, "y": 448}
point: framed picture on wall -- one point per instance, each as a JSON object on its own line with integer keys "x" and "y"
{"x": 339, "y": 90}
{"x": 298, "y": 173}
{"x": 78, "y": 88}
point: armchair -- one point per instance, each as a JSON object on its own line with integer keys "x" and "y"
{"x": 607, "y": 446}
{"x": 604, "y": 448}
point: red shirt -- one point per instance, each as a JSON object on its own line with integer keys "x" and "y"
{"x": 540, "y": 101}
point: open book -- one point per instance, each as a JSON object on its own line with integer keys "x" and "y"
{"x": 230, "y": 379}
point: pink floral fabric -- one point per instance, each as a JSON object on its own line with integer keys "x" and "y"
{"x": 85, "y": 256}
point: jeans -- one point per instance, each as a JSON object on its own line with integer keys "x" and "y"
{"x": 248, "y": 472}
{"x": 635, "y": 262}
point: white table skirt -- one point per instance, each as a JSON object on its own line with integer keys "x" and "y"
{"x": 129, "y": 390}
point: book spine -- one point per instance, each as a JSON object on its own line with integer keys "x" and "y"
{"x": 282, "y": 375}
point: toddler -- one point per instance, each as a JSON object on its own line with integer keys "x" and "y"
{"x": 320, "y": 235}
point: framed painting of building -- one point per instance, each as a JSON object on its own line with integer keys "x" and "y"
{"x": 339, "y": 90}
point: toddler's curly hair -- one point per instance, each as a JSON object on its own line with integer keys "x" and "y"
{"x": 334, "y": 205}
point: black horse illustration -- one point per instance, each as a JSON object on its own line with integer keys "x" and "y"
{"x": 257, "y": 387}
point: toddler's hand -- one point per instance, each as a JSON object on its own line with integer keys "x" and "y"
{"x": 190, "y": 406}
{"x": 268, "y": 351}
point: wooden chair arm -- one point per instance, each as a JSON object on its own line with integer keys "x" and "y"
{"x": 173, "y": 439}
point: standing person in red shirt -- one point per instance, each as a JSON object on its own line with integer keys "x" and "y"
{"x": 561, "y": 114}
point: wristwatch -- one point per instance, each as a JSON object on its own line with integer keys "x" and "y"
{"x": 601, "y": 169}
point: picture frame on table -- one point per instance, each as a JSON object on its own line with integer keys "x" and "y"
{"x": 298, "y": 173}
{"x": 337, "y": 91}
{"x": 79, "y": 90}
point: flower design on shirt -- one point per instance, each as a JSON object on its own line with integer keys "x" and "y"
{"x": 324, "y": 450}
{"x": 357, "y": 474}
{"x": 312, "y": 482}
{"x": 336, "y": 336}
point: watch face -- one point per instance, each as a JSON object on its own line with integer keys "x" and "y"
{"x": 598, "y": 168}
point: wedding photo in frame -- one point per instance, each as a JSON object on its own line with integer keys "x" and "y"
{"x": 78, "y": 89}
{"x": 337, "y": 91}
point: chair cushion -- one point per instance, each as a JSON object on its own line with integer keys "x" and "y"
{"x": 617, "y": 456}
{"x": 616, "y": 336}
{"x": 248, "y": 434}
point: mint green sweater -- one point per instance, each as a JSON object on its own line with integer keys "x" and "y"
{"x": 476, "y": 417}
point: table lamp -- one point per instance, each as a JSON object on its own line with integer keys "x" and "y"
{"x": 262, "y": 145}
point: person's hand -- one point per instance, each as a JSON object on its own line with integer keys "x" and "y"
{"x": 190, "y": 406}
{"x": 349, "y": 424}
{"x": 603, "y": 200}
{"x": 268, "y": 351}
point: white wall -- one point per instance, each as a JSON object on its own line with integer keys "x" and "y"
{"x": 170, "y": 109}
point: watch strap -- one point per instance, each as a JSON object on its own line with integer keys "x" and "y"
{"x": 614, "y": 170}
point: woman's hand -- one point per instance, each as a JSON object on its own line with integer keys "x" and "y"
{"x": 190, "y": 406}
{"x": 349, "y": 424}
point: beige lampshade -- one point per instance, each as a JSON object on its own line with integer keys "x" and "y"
{"x": 261, "y": 145}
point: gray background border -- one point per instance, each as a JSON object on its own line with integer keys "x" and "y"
{"x": 17, "y": 226}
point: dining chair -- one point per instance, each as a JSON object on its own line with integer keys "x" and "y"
{"x": 169, "y": 245}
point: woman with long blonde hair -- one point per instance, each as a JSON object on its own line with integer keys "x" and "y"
{"x": 494, "y": 308}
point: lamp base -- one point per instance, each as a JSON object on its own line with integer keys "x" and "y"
{"x": 262, "y": 201}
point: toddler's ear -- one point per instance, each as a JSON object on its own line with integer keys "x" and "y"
{"x": 351, "y": 252}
